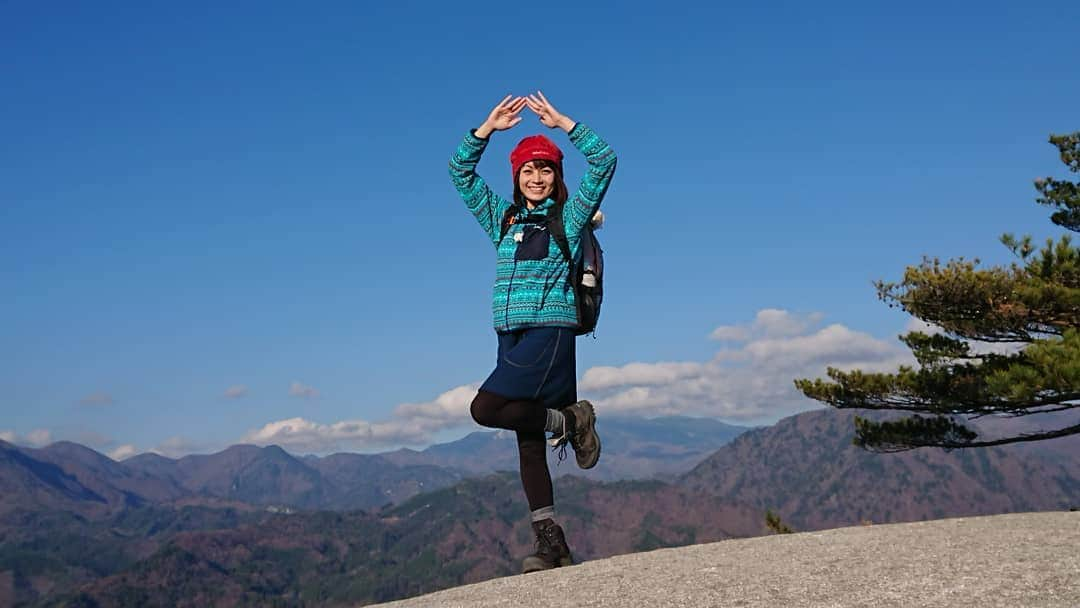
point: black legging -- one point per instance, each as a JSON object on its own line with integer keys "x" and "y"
{"x": 527, "y": 418}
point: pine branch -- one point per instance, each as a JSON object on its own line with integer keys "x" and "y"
{"x": 1063, "y": 195}
{"x": 918, "y": 432}
{"x": 1013, "y": 304}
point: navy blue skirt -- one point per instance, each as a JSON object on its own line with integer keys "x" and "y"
{"x": 536, "y": 363}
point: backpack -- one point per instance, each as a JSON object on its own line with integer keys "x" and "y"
{"x": 586, "y": 273}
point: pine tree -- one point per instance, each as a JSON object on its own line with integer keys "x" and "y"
{"x": 1033, "y": 304}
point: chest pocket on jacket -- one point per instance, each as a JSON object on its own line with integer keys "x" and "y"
{"x": 534, "y": 243}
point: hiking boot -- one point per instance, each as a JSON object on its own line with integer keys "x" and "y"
{"x": 551, "y": 549}
{"x": 583, "y": 438}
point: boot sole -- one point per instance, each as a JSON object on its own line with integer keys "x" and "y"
{"x": 585, "y": 405}
{"x": 537, "y": 565}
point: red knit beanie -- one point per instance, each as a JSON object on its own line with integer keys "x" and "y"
{"x": 533, "y": 148}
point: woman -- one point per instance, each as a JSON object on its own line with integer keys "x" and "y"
{"x": 533, "y": 389}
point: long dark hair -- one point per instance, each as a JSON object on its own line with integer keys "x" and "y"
{"x": 558, "y": 190}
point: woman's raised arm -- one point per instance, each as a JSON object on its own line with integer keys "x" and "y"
{"x": 487, "y": 206}
{"x": 601, "y": 158}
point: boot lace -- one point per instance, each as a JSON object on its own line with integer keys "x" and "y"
{"x": 558, "y": 443}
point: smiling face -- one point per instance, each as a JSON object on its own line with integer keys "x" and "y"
{"x": 536, "y": 181}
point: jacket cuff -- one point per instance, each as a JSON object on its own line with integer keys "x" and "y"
{"x": 475, "y": 142}
{"x": 577, "y": 132}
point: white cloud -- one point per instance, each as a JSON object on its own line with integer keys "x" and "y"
{"x": 39, "y": 437}
{"x": 412, "y": 424}
{"x": 98, "y": 398}
{"x": 779, "y": 323}
{"x": 916, "y": 324}
{"x": 730, "y": 333}
{"x": 448, "y": 410}
{"x": 768, "y": 323}
{"x": 832, "y": 345}
{"x": 603, "y": 377}
{"x": 304, "y": 435}
{"x": 751, "y": 382}
{"x": 297, "y": 389}
{"x": 35, "y": 438}
{"x": 122, "y": 452}
{"x": 996, "y": 348}
{"x": 239, "y": 390}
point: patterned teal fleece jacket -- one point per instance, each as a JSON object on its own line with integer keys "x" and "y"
{"x": 533, "y": 292}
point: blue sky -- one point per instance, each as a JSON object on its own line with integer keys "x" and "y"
{"x": 234, "y": 223}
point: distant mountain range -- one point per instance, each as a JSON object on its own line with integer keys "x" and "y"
{"x": 633, "y": 448}
{"x": 250, "y": 526}
{"x": 69, "y": 477}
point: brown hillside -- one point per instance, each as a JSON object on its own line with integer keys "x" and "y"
{"x": 806, "y": 469}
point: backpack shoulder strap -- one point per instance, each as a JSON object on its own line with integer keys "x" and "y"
{"x": 507, "y": 219}
{"x": 558, "y": 232}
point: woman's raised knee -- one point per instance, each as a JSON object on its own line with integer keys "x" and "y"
{"x": 483, "y": 408}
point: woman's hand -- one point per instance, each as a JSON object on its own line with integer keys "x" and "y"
{"x": 547, "y": 113}
{"x": 504, "y": 116}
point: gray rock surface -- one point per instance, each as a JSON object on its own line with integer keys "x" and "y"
{"x": 1029, "y": 560}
